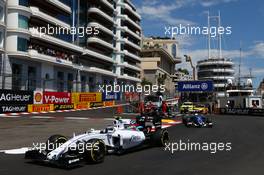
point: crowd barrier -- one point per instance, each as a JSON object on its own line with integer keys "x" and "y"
{"x": 242, "y": 111}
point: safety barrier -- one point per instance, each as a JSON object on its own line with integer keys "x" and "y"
{"x": 12, "y": 101}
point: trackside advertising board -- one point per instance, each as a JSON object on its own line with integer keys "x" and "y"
{"x": 195, "y": 86}
{"x": 13, "y": 108}
{"x": 10, "y": 97}
{"x": 52, "y": 97}
{"x": 56, "y": 98}
{"x": 112, "y": 96}
{"x": 86, "y": 97}
{"x": 41, "y": 108}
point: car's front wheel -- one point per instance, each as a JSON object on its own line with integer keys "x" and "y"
{"x": 95, "y": 152}
{"x": 54, "y": 142}
{"x": 160, "y": 138}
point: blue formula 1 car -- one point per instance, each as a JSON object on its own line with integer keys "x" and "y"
{"x": 197, "y": 120}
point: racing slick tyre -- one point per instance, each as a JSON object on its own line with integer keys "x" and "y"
{"x": 160, "y": 138}
{"x": 209, "y": 123}
{"x": 54, "y": 142}
{"x": 96, "y": 151}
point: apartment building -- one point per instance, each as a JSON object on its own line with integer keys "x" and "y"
{"x": 2, "y": 36}
{"x": 68, "y": 61}
{"x": 159, "y": 58}
{"x": 128, "y": 43}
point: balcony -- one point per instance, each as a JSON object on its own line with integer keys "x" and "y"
{"x": 98, "y": 55}
{"x": 50, "y": 39}
{"x": 218, "y": 77}
{"x": 125, "y": 17}
{"x": 60, "y": 5}
{"x": 104, "y": 29}
{"x": 108, "y": 4}
{"x": 101, "y": 13}
{"x": 43, "y": 16}
{"x": 102, "y": 71}
{"x": 217, "y": 70}
{"x": 132, "y": 44}
{"x": 100, "y": 41}
{"x": 131, "y": 55}
{"x": 50, "y": 59}
{"x": 129, "y": 8}
{"x": 20, "y": 8}
{"x": 95, "y": 70}
{"x": 130, "y": 66}
{"x": 127, "y": 77}
{"x": 127, "y": 30}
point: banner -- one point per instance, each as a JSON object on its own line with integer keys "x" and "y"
{"x": 16, "y": 97}
{"x": 81, "y": 105}
{"x": 86, "y": 97}
{"x": 13, "y": 108}
{"x": 96, "y": 104}
{"x": 109, "y": 103}
{"x": 195, "y": 86}
{"x": 63, "y": 107}
{"x": 41, "y": 108}
{"x": 111, "y": 96}
{"x": 56, "y": 98}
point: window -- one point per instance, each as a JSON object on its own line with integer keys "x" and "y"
{"x": 70, "y": 82}
{"x": 22, "y": 44}
{"x": 2, "y": 13}
{"x": 66, "y": 2}
{"x": 60, "y": 84}
{"x": 83, "y": 83}
{"x": 174, "y": 50}
{"x": 1, "y": 39}
{"x": 91, "y": 84}
{"x": 23, "y": 2}
{"x": 22, "y": 22}
{"x": 32, "y": 79}
{"x": 16, "y": 77}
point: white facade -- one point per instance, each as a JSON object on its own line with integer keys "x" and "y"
{"x": 2, "y": 38}
{"x": 219, "y": 70}
{"x": 128, "y": 43}
{"x": 32, "y": 61}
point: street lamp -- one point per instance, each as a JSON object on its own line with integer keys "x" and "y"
{"x": 189, "y": 59}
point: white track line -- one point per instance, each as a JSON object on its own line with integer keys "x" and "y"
{"x": 42, "y": 117}
{"x": 77, "y": 118}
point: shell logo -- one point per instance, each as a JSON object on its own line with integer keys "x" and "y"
{"x": 38, "y": 97}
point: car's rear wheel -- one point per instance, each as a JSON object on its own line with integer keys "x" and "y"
{"x": 54, "y": 142}
{"x": 95, "y": 152}
{"x": 160, "y": 138}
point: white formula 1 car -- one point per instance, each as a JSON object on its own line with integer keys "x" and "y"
{"x": 92, "y": 146}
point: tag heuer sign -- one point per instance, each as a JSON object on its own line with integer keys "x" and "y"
{"x": 16, "y": 97}
{"x": 192, "y": 86}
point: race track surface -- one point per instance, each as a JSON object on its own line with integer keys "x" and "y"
{"x": 243, "y": 132}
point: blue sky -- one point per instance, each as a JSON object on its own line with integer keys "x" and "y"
{"x": 246, "y": 17}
